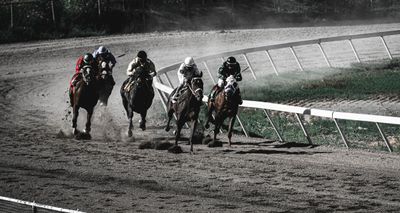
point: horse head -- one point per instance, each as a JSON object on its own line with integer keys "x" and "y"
{"x": 88, "y": 74}
{"x": 196, "y": 86}
{"x": 230, "y": 87}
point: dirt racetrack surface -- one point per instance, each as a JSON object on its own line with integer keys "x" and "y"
{"x": 41, "y": 162}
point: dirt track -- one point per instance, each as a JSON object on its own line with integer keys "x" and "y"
{"x": 110, "y": 173}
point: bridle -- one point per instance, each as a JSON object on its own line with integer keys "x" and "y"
{"x": 194, "y": 92}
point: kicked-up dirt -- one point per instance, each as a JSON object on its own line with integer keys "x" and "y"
{"x": 41, "y": 162}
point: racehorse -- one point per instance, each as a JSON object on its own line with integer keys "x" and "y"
{"x": 138, "y": 97}
{"x": 106, "y": 81}
{"x": 225, "y": 105}
{"x": 84, "y": 94}
{"x": 186, "y": 108}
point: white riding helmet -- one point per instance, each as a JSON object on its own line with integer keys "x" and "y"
{"x": 189, "y": 62}
{"x": 102, "y": 49}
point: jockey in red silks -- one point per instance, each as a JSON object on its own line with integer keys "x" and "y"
{"x": 86, "y": 60}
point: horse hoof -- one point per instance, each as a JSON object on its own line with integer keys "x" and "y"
{"x": 143, "y": 126}
{"x": 175, "y": 149}
{"x": 167, "y": 128}
{"x": 75, "y": 131}
{"x": 215, "y": 143}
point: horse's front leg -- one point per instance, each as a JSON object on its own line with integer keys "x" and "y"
{"x": 142, "y": 124}
{"x": 178, "y": 132}
{"x": 75, "y": 119}
{"x": 209, "y": 115}
{"x": 194, "y": 126}
{"x": 88, "y": 121}
{"x": 231, "y": 123}
{"x": 170, "y": 114}
{"x": 130, "y": 116}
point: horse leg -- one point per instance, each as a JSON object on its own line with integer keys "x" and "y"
{"x": 130, "y": 115}
{"x": 170, "y": 114}
{"x": 209, "y": 114}
{"x": 231, "y": 122}
{"x": 194, "y": 126}
{"x": 74, "y": 120}
{"x": 178, "y": 132}
{"x": 88, "y": 120}
{"x": 143, "y": 120}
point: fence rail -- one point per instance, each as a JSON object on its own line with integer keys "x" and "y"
{"x": 35, "y": 207}
{"x": 298, "y": 111}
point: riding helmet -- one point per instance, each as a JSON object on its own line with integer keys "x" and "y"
{"x": 142, "y": 55}
{"x": 231, "y": 60}
{"x": 88, "y": 58}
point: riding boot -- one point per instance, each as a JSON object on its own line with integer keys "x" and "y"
{"x": 76, "y": 79}
{"x": 239, "y": 97}
{"x": 214, "y": 92}
{"x": 128, "y": 84}
{"x": 177, "y": 93}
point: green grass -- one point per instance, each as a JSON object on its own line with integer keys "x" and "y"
{"x": 357, "y": 82}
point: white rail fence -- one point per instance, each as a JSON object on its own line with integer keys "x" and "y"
{"x": 13, "y": 205}
{"x": 165, "y": 89}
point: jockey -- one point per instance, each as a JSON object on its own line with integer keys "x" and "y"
{"x": 86, "y": 60}
{"x": 186, "y": 72}
{"x": 229, "y": 67}
{"x": 108, "y": 57}
{"x": 141, "y": 61}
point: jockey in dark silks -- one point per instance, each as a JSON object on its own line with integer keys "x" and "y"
{"x": 142, "y": 62}
{"x": 186, "y": 72}
{"x": 108, "y": 57}
{"x": 229, "y": 67}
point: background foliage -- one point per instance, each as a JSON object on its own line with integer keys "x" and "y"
{"x": 33, "y": 18}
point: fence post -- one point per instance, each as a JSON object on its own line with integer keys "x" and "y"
{"x": 241, "y": 125}
{"x": 297, "y": 59}
{"x": 52, "y": 11}
{"x": 273, "y": 125}
{"x": 384, "y": 138}
{"x": 303, "y": 128}
{"x": 341, "y": 133}
{"x": 209, "y": 72}
{"x": 324, "y": 54}
{"x": 355, "y": 51}
{"x": 248, "y": 64}
{"x": 272, "y": 62}
{"x": 169, "y": 80}
{"x": 386, "y": 47}
{"x": 11, "y": 15}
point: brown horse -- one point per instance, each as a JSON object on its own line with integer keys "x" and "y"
{"x": 106, "y": 80}
{"x": 84, "y": 94}
{"x": 225, "y": 105}
{"x": 186, "y": 108}
{"x": 139, "y": 97}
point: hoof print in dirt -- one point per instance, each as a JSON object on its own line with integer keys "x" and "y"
{"x": 215, "y": 144}
{"x": 175, "y": 149}
{"x": 207, "y": 139}
{"x": 163, "y": 145}
{"x": 83, "y": 136}
{"x": 146, "y": 145}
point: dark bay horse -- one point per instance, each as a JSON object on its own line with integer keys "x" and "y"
{"x": 186, "y": 108}
{"x": 106, "y": 81}
{"x": 139, "y": 97}
{"x": 225, "y": 105}
{"x": 84, "y": 94}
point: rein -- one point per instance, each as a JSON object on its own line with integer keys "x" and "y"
{"x": 190, "y": 87}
